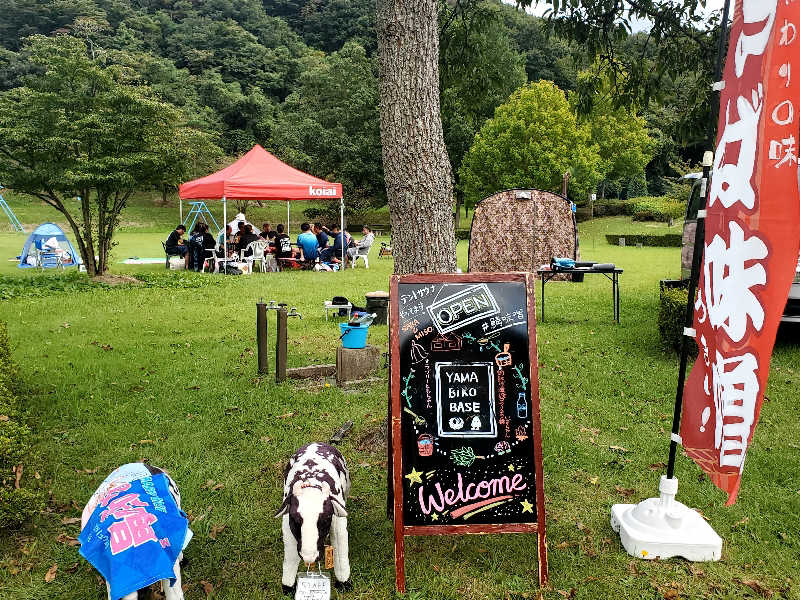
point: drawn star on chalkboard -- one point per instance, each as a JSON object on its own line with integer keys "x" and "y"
{"x": 512, "y": 468}
{"x": 527, "y": 506}
{"x": 434, "y": 517}
{"x": 414, "y": 476}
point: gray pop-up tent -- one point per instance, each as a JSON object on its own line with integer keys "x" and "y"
{"x": 259, "y": 175}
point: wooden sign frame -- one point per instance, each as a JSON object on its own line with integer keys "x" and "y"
{"x": 395, "y": 442}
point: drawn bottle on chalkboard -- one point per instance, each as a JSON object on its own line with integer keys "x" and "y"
{"x": 522, "y": 406}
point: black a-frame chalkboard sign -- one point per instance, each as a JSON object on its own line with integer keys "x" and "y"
{"x": 466, "y": 447}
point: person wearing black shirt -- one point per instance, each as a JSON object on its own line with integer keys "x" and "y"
{"x": 283, "y": 244}
{"x": 246, "y": 239}
{"x": 174, "y": 244}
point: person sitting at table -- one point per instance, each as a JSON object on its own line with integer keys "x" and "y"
{"x": 364, "y": 245}
{"x": 228, "y": 234}
{"x": 322, "y": 235}
{"x": 266, "y": 229}
{"x": 283, "y": 244}
{"x": 334, "y": 253}
{"x": 175, "y": 246}
{"x": 195, "y": 246}
{"x": 239, "y": 233}
{"x": 246, "y": 239}
{"x": 307, "y": 243}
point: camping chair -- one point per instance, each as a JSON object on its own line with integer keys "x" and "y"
{"x": 46, "y": 259}
{"x": 168, "y": 255}
{"x": 385, "y": 250}
{"x": 257, "y": 251}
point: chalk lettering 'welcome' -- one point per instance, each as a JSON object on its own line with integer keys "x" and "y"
{"x": 479, "y": 492}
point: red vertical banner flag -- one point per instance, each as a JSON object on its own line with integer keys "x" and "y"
{"x": 752, "y": 238}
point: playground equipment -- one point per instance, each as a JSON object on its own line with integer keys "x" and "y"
{"x": 12, "y": 218}
{"x": 198, "y": 210}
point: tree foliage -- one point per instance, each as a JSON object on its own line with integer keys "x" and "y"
{"x": 532, "y": 140}
{"x": 330, "y": 125}
{"x": 82, "y": 129}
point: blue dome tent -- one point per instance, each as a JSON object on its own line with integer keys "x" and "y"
{"x": 47, "y": 247}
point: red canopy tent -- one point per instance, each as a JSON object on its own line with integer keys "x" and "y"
{"x": 259, "y": 175}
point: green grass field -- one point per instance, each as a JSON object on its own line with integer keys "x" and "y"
{"x": 168, "y": 374}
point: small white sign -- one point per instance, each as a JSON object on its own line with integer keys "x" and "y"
{"x": 313, "y": 586}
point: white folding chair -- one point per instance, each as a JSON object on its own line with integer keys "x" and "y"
{"x": 258, "y": 250}
{"x": 362, "y": 253}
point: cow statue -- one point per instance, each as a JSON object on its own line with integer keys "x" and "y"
{"x": 133, "y": 532}
{"x": 315, "y": 489}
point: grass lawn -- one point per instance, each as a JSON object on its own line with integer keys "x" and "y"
{"x": 168, "y": 374}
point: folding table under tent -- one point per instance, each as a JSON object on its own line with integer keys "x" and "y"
{"x": 259, "y": 175}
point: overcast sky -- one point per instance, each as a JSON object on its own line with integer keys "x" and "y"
{"x": 541, "y": 7}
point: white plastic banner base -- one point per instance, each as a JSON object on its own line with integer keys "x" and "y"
{"x": 663, "y": 528}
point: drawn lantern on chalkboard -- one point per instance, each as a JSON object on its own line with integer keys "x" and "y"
{"x": 522, "y": 406}
{"x": 425, "y": 444}
{"x": 503, "y": 359}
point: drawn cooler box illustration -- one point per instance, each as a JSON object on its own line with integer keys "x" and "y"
{"x": 466, "y": 442}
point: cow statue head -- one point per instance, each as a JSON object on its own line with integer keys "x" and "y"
{"x": 311, "y": 507}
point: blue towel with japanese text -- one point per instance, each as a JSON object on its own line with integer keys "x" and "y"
{"x": 135, "y": 533}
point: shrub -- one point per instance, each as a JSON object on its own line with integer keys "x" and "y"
{"x": 657, "y": 208}
{"x": 671, "y": 319}
{"x": 666, "y": 240}
{"x": 612, "y": 207}
{"x": 17, "y": 505}
{"x": 637, "y": 186}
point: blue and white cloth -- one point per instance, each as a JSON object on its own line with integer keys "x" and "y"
{"x": 136, "y": 530}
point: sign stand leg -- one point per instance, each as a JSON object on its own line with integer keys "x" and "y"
{"x": 400, "y": 564}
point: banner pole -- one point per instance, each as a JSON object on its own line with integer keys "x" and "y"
{"x": 699, "y": 242}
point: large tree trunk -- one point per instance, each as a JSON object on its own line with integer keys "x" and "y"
{"x": 415, "y": 162}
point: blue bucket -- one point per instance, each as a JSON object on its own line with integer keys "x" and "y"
{"x": 353, "y": 336}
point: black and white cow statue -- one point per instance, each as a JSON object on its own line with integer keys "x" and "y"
{"x": 315, "y": 489}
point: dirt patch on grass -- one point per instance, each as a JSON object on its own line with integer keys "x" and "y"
{"x": 373, "y": 439}
{"x": 116, "y": 279}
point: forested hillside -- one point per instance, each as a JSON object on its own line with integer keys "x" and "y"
{"x": 300, "y": 77}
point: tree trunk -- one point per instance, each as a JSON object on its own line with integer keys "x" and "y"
{"x": 415, "y": 162}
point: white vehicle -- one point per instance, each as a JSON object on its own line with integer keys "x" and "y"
{"x": 791, "y": 314}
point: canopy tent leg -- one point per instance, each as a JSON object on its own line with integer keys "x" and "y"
{"x": 341, "y": 227}
{"x": 225, "y": 231}
{"x": 287, "y": 217}
{"x": 180, "y": 203}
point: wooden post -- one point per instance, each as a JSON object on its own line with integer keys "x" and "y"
{"x": 261, "y": 336}
{"x": 281, "y": 341}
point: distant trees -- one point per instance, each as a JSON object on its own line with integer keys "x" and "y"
{"x": 537, "y": 136}
{"x": 479, "y": 68}
{"x": 532, "y": 140}
{"x": 82, "y": 137}
{"x": 330, "y": 124}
